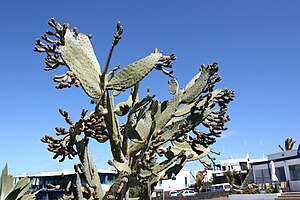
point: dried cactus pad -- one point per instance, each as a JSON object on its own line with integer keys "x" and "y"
{"x": 77, "y": 52}
{"x": 134, "y": 72}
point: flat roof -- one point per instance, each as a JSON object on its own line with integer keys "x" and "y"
{"x": 277, "y": 160}
{"x": 283, "y": 154}
{"x": 62, "y": 173}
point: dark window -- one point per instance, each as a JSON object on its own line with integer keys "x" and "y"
{"x": 111, "y": 179}
{"x": 279, "y": 171}
{"x": 174, "y": 178}
{"x": 295, "y": 172}
{"x": 243, "y": 165}
{"x": 185, "y": 181}
{"x": 262, "y": 176}
{"x": 102, "y": 179}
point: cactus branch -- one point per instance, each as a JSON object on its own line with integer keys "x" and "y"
{"x": 117, "y": 37}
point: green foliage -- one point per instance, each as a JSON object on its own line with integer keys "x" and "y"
{"x": 251, "y": 191}
{"x": 270, "y": 190}
{"x": 167, "y": 129}
{"x": 9, "y": 191}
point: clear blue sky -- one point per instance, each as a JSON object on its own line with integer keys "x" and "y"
{"x": 257, "y": 44}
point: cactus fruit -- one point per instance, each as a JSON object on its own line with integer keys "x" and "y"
{"x": 168, "y": 129}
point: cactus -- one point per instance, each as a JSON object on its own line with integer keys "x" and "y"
{"x": 167, "y": 129}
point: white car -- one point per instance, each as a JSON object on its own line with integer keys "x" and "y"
{"x": 186, "y": 193}
{"x": 173, "y": 193}
{"x": 220, "y": 187}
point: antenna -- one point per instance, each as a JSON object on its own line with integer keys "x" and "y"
{"x": 224, "y": 154}
{"x": 261, "y": 148}
{"x": 246, "y": 147}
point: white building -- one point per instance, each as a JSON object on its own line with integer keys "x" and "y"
{"x": 239, "y": 164}
{"x": 287, "y": 167}
{"x": 181, "y": 181}
{"x": 234, "y": 164}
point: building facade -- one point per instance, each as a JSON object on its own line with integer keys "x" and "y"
{"x": 61, "y": 179}
{"x": 180, "y": 182}
{"x": 240, "y": 166}
{"x": 287, "y": 169}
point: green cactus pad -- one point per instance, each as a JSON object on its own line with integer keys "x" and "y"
{"x": 123, "y": 107}
{"x": 133, "y": 73}
{"x": 121, "y": 167}
{"x": 78, "y": 54}
{"x": 184, "y": 110}
{"x": 196, "y": 85}
{"x": 189, "y": 149}
{"x": 167, "y": 163}
{"x": 169, "y": 111}
{"x": 169, "y": 132}
{"x": 144, "y": 125}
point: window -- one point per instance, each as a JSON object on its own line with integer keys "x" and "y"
{"x": 244, "y": 165}
{"x": 185, "y": 181}
{"x": 295, "y": 172}
{"x": 111, "y": 179}
{"x": 102, "y": 178}
{"x": 174, "y": 178}
{"x": 160, "y": 183}
{"x": 279, "y": 171}
{"x": 262, "y": 176}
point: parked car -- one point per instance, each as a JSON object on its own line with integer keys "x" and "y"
{"x": 220, "y": 187}
{"x": 186, "y": 193}
{"x": 206, "y": 190}
{"x": 174, "y": 193}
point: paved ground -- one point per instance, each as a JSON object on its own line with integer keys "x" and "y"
{"x": 220, "y": 198}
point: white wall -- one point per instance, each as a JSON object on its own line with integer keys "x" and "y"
{"x": 178, "y": 184}
{"x": 283, "y": 154}
{"x": 253, "y": 196}
{"x": 294, "y": 185}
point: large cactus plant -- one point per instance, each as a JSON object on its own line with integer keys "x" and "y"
{"x": 167, "y": 129}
